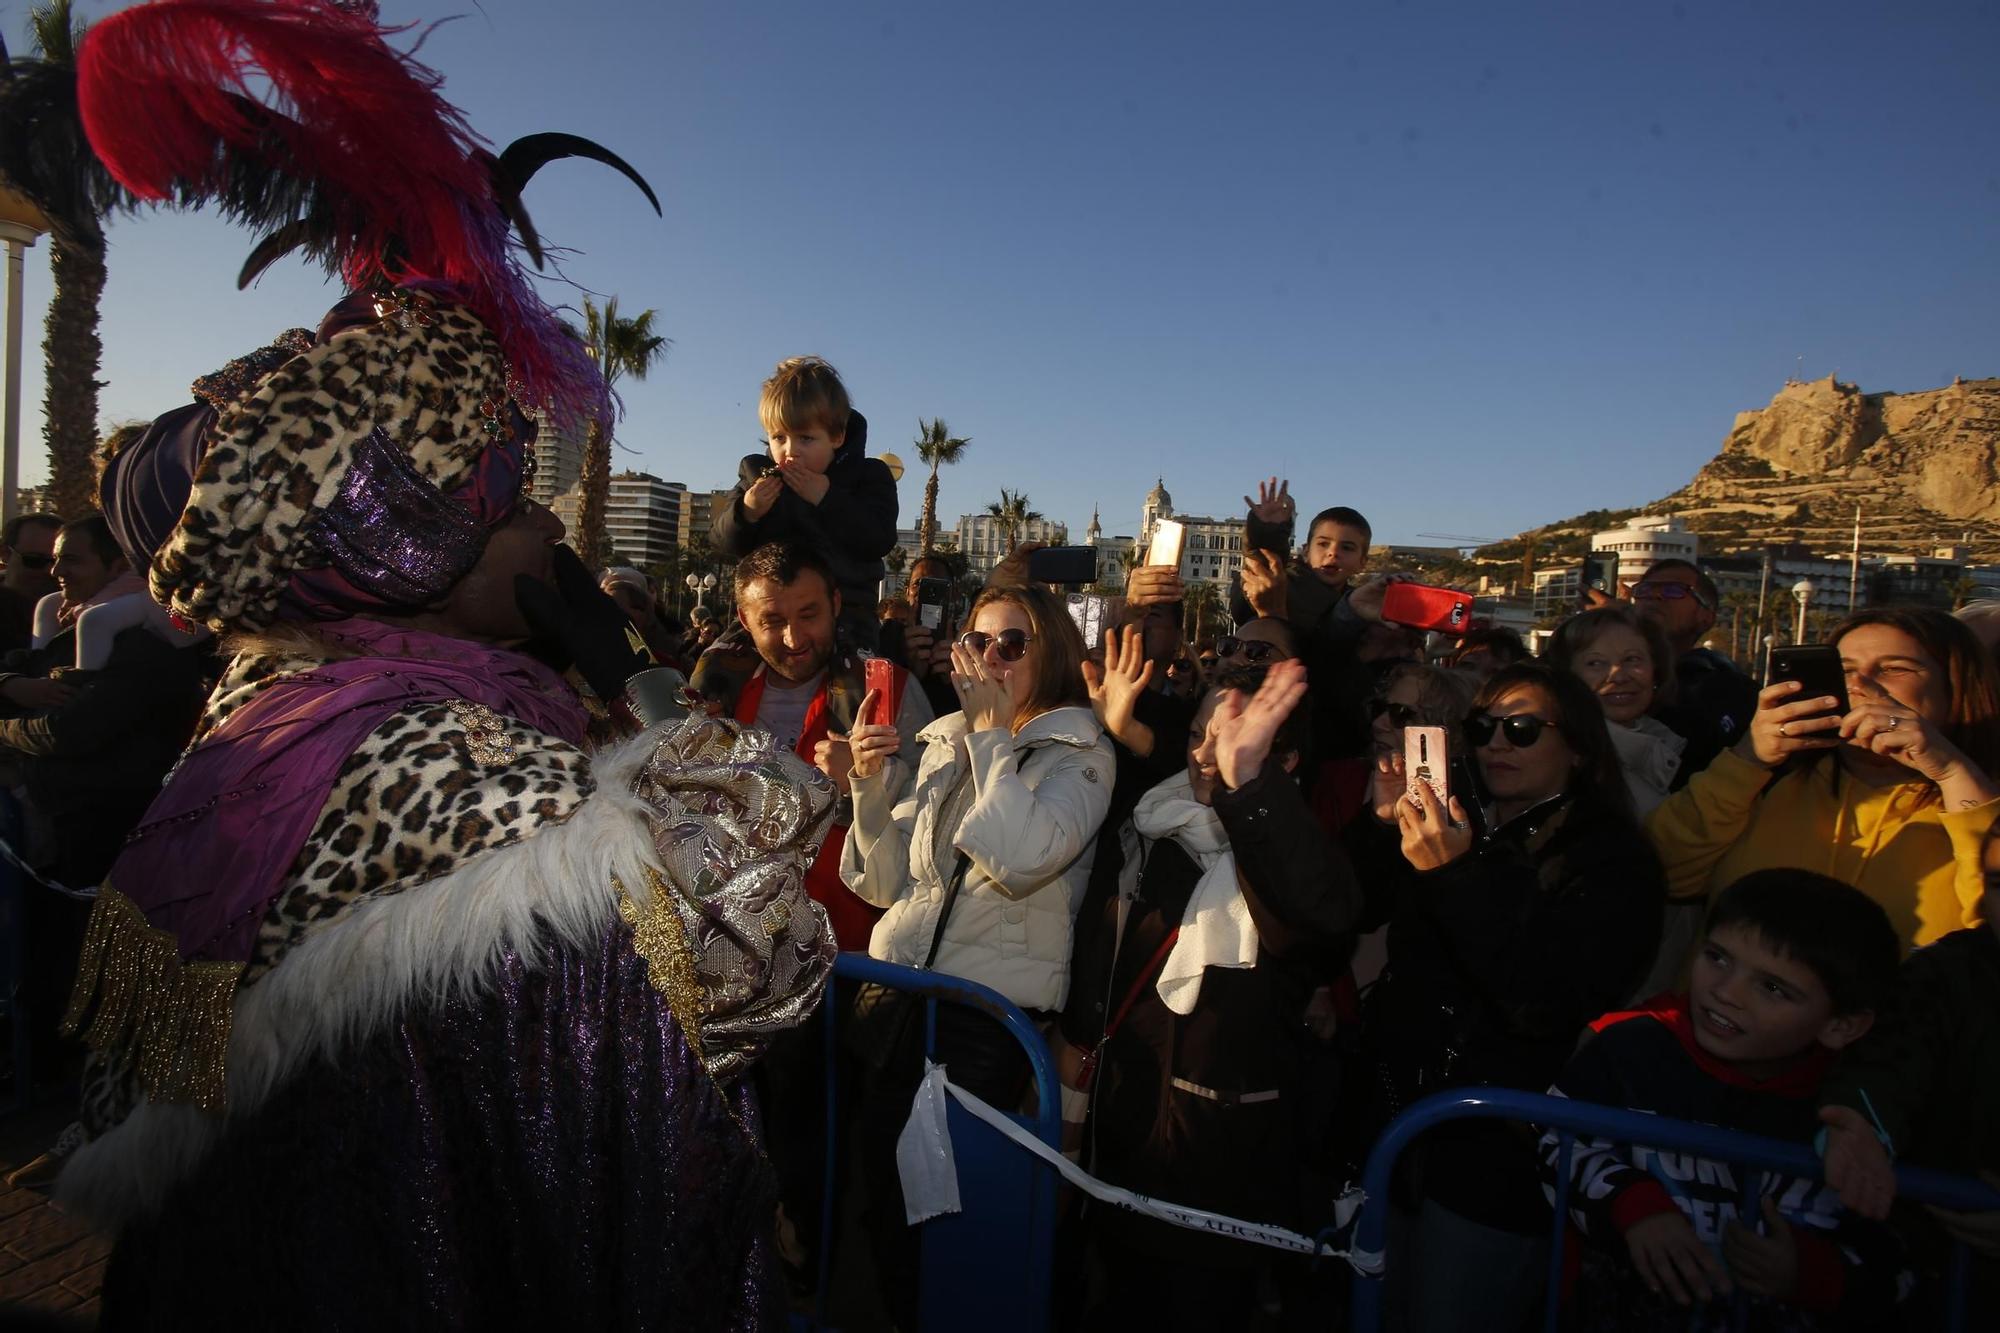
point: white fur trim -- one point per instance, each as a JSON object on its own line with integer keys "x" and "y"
{"x": 351, "y": 980}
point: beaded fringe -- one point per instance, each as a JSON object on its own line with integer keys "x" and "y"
{"x": 136, "y": 1000}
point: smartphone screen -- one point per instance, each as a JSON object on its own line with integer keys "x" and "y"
{"x": 1817, "y": 667}
{"x": 1427, "y": 759}
{"x": 933, "y": 596}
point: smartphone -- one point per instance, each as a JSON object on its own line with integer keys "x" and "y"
{"x": 933, "y": 601}
{"x": 1817, "y": 667}
{"x": 1168, "y": 535}
{"x": 1600, "y": 574}
{"x": 1471, "y": 796}
{"x": 1421, "y": 607}
{"x": 1063, "y": 564}
{"x": 879, "y": 675}
{"x": 1087, "y": 610}
{"x": 1427, "y": 759}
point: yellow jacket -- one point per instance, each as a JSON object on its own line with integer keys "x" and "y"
{"x": 1893, "y": 843}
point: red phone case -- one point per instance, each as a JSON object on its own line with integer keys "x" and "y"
{"x": 1421, "y": 607}
{"x": 879, "y": 674}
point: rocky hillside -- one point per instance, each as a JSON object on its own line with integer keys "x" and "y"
{"x": 1924, "y": 467}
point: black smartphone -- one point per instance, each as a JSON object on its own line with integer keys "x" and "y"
{"x": 1063, "y": 564}
{"x": 1815, "y": 666}
{"x": 1600, "y": 574}
{"x": 934, "y": 604}
{"x": 1464, "y": 778}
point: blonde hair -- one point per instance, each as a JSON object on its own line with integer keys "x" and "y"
{"x": 804, "y": 391}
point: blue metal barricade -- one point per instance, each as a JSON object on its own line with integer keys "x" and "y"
{"x": 1570, "y": 1118}
{"x": 989, "y": 1266}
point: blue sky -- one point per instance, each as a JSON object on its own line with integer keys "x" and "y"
{"x": 1468, "y": 267}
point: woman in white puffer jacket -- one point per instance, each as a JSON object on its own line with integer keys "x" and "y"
{"x": 1016, "y": 785}
{"x": 995, "y": 838}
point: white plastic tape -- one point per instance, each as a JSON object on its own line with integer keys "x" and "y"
{"x": 923, "y": 1153}
{"x": 1194, "y": 1219}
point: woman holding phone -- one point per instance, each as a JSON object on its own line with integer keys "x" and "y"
{"x": 1500, "y": 951}
{"x": 981, "y": 864}
{"x": 1892, "y": 797}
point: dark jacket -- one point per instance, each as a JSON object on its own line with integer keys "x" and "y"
{"x": 851, "y": 529}
{"x": 1713, "y": 703}
{"x": 1165, "y": 1120}
{"x": 94, "y": 764}
{"x": 1327, "y": 631}
{"x": 1497, "y": 961}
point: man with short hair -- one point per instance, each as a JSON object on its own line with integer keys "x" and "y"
{"x": 28, "y": 546}
{"x": 1714, "y": 700}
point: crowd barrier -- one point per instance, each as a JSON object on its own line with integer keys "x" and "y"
{"x": 989, "y": 1266}
{"x": 1569, "y": 1119}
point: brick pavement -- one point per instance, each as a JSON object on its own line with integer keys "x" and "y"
{"x": 49, "y": 1265}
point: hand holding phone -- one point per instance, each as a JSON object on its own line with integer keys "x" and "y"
{"x": 1426, "y": 760}
{"x": 884, "y": 692}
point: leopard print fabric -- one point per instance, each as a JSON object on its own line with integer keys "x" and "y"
{"x": 434, "y": 785}
{"x": 427, "y": 376}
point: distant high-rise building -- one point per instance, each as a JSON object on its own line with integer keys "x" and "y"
{"x": 642, "y": 516}
{"x": 698, "y": 510}
{"x": 558, "y": 461}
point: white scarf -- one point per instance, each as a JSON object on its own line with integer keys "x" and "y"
{"x": 1216, "y": 930}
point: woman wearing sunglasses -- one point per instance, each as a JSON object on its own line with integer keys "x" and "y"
{"x": 1501, "y": 950}
{"x": 983, "y": 861}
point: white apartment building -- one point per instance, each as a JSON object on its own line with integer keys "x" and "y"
{"x": 984, "y": 542}
{"x": 558, "y": 461}
{"x": 642, "y": 516}
{"x": 1644, "y": 541}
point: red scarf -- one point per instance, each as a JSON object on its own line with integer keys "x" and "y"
{"x": 853, "y": 920}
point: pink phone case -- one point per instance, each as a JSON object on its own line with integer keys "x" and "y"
{"x": 1426, "y": 760}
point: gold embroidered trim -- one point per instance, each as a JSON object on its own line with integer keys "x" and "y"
{"x": 486, "y": 735}
{"x": 660, "y": 939}
{"x": 169, "y": 1019}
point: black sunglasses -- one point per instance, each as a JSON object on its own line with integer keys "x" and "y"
{"x": 1013, "y": 643}
{"x": 1180, "y": 667}
{"x": 33, "y": 561}
{"x": 1671, "y": 592}
{"x": 1523, "y": 729}
{"x": 1400, "y": 715}
{"x": 1251, "y": 650}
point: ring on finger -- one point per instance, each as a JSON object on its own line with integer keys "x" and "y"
{"x": 1781, "y": 729}
{"x": 1895, "y": 720}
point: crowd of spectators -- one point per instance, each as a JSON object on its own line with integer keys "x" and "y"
{"x": 1249, "y": 935}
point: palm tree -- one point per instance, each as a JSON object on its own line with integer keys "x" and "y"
{"x": 1204, "y": 608}
{"x": 937, "y": 446}
{"x": 1011, "y": 512}
{"x": 620, "y": 347}
{"x": 894, "y": 559}
{"x": 45, "y": 155}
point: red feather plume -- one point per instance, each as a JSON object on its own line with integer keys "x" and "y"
{"x": 289, "y": 110}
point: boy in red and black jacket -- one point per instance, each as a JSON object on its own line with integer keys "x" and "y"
{"x": 1792, "y": 969}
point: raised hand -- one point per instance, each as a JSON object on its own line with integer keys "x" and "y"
{"x": 1366, "y": 599}
{"x": 1856, "y": 1162}
{"x": 1877, "y": 722}
{"x": 763, "y": 493}
{"x": 1264, "y": 585}
{"x": 990, "y": 699}
{"x": 869, "y": 746}
{"x": 1273, "y": 503}
{"x": 1012, "y": 572}
{"x": 1432, "y": 834}
{"x": 1116, "y": 686}
{"x": 805, "y": 483}
{"x": 1153, "y": 585}
{"x": 1241, "y": 730}
{"x": 1784, "y": 725}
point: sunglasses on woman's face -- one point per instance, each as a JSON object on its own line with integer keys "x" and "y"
{"x": 1012, "y": 644}
{"x": 1250, "y": 650}
{"x": 30, "y": 560}
{"x": 1399, "y": 715}
{"x": 1523, "y": 729}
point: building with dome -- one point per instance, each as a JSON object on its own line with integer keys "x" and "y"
{"x": 1213, "y": 550}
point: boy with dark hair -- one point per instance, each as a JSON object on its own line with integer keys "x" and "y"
{"x": 816, "y": 487}
{"x": 1792, "y": 970}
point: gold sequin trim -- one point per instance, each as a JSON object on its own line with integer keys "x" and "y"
{"x": 486, "y": 735}
{"x": 135, "y": 998}
{"x": 660, "y": 939}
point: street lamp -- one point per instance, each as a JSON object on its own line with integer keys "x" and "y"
{"x": 699, "y": 585}
{"x": 1803, "y": 591}
{"x": 1770, "y": 642}
{"x": 20, "y": 224}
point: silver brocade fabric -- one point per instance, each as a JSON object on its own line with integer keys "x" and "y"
{"x": 737, "y": 821}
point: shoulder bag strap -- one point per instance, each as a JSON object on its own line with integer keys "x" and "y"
{"x": 944, "y": 912}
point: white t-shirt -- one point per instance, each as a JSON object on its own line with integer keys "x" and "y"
{"x": 782, "y": 710}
